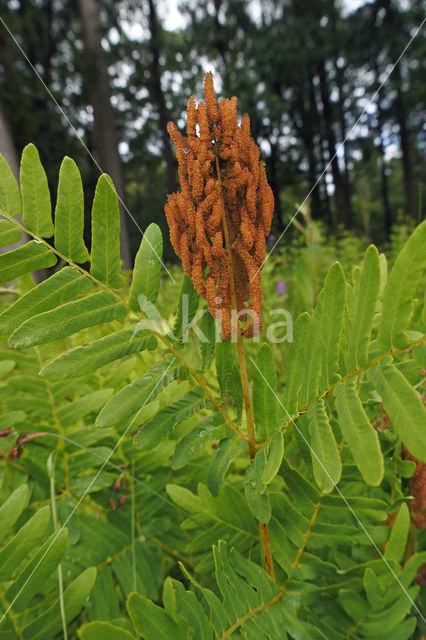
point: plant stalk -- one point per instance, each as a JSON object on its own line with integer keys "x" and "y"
{"x": 133, "y": 525}
{"x": 253, "y": 446}
{"x": 60, "y": 578}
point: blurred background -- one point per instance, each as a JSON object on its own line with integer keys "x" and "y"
{"x": 304, "y": 70}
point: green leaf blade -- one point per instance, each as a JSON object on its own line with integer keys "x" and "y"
{"x": 10, "y": 197}
{"x": 330, "y": 305}
{"x": 147, "y": 269}
{"x": 224, "y": 365}
{"x": 207, "y": 347}
{"x": 264, "y": 393}
{"x": 69, "y": 213}
{"x": 258, "y": 501}
{"x": 75, "y": 595}
{"x": 37, "y": 208}
{"x": 273, "y": 457}
{"x": 359, "y": 433}
{"x": 30, "y": 257}
{"x": 406, "y": 411}
{"x": 67, "y": 319}
{"x": 41, "y": 567}
{"x": 133, "y": 397}
{"x": 29, "y": 535}
{"x": 12, "y": 508}
{"x": 325, "y": 455}
{"x": 228, "y": 450}
{"x": 9, "y": 233}
{"x": 63, "y": 285}
{"x": 395, "y": 546}
{"x": 164, "y": 421}
{"x": 105, "y": 630}
{"x": 400, "y": 290}
{"x": 296, "y": 364}
{"x": 358, "y": 341}
{"x": 105, "y": 256}
{"x": 88, "y": 358}
{"x": 151, "y": 621}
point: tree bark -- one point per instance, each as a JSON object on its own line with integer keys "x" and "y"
{"x": 327, "y": 112}
{"x": 104, "y": 129}
{"x": 324, "y": 199}
{"x": 7, "y": 146}
{"x": 8, "y": 149}
{"x": 160, "y": 99}
{"x": 384, "y": 188}
{"x": 346, "y": 187}
{"x": 273, "y": 181}
{"x": 406, "y": 150}
{"x": 393, "y": 24}
{"x": 387, "y": 212}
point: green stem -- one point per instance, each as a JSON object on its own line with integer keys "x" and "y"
{"x": 58, "y": 426}
{"x": 55, "y": 527}
{"x": 251, "y": 433}
{"x": 133, "y": 525}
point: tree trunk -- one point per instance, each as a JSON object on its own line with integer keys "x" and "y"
{"x": 222, "y": 47}
{"x": 384, "y": 188}
{"x": 327, "y": 112}
{"x": 104, "y": 129}
{"x": 342, "y": 122}
{"x": 406, "y": 150}
{"x": 387, "y": 212}
{"x": 7, "y": 147}
{"x": 160, "y": 99}
{"x": 273, "y": 180}
{"x": 307, "y": 134}
{"x": 393, "y": 24}
{"x": 313, "y": 104}
{"x": 346, "y": 187}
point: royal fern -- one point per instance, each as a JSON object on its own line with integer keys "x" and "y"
{"x": 152, "y": 447}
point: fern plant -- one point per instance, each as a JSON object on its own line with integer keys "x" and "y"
{"x": 158, "y": 482}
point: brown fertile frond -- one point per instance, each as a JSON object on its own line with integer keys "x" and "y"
{"x": 219, "y": 220}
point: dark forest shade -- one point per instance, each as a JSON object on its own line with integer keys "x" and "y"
{"x": 304, "y": 71}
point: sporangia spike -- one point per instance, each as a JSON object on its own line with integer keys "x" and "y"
{"x": 219, "y": 220}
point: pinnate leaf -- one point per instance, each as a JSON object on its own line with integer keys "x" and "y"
{"x": 359, "y": 433}
{"x": 67, "y": 319}
{"x": 400, "y": 289}
{"x": 403, "y": 404}
{"x": 69, "y": 213}
{"x": 10, "y": 198}
{"x": 37, "y": 208}
{"x": 30, "y": 257}
{"x": 147, "y": 269}
{"x": 105, "y": 255}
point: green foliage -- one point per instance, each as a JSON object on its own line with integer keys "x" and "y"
{"x": 69, "y": 213}
{"x": 147, "y": 271}
{"x": 359, "y": 433}
{"x": 105, "y": 257}
{"x": 37, "y": 210}
{"x": 264, "y": 393}
{"x": 10, "y": 198}
{"x": 31, "y": 256}
{"x": 400, "y": 291}
{"x": 326, "y": 461}
{"x": 151, "y": 512}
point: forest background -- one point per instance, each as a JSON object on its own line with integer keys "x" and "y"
{"x": 308, "y": 73}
